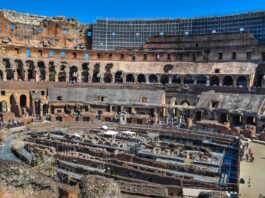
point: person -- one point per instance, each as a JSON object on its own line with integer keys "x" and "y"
{"x": 251, "y": 156}
{"x": 247, "y": 157}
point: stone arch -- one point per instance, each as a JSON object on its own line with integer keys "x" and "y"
{"x": 42, "y": 73}
{"x": 85, "y": 72}
{"x": 129, "y": 78}
{"x": 214, "y": 81}
{"x": 201, "y": 80}
{"x": 62, "y": 74}
{"x": 96, "y": 73}
{"x": 23, "y": 100}
{"x": 228, "y": 81}
{"x": 164, "y": 79}
{"x": 242, "y": 81}
{"x": 45, "y": 109}
{"x": 20, "y": 70}
{"x": 107, "y": 77}
{"x": 141, "y": 78}
{"x": 3, "y": 106}
{"x": 176, "y": 79}
{"x": 9, "y": 69}
{"x": 1, "y": 75}
{"x": 73, "y": 74}
{"x": 188, "y": 79}
{"x": 259, "y": 75}
{"x": 31, "y": 70}
{"x": 153, "y": 78}
{"x": 119, "y": 77}
{"x": 52, "y": 72}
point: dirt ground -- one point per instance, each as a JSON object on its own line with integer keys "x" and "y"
{"x": 253, "y": 173}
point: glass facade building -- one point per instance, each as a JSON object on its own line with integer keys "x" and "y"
{"x": 112, "y": 34}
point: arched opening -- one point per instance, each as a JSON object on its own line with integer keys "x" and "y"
{"x": 259, "y": 80}
{"x": 201, "y": 80}
{"x": 45, "y": 109}
{"x": 31, "y": 70}
{"x": 164, "y": 79}
{"x": 141, "y": 78}
{"x": 1, "y": 75}
{"x": 73, "y": 74}
{"x": 41, "y": 67}
{"x": 20, "y": 70}
{"x": 85, "y": 73}
{"x": 3, "y": 106}
{"x": 242, "y": 81}
{"x": 9, "y": 70}
{"x": 52, "y": 72}
{"x": 153, "y": 78}
{"x": 62, "y": 74}
{"x": 107, "y": 77}
{"x": 214, "y": 81}
{"x": 228, "y": 81}
{"x": 119, "y": 77}
{"x": 185, "y": 103}
{"x": 96, "y": 73}
{"x": 176, "y": 79}
{"x": 23, "y": 101}
{"x": 130, "y": 78}
{"x": 188, "y": 79}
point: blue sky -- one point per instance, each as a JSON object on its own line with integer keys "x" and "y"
{"x": 86, "y": 11}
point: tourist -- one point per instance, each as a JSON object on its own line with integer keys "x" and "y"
{"x": 247, "y": 156}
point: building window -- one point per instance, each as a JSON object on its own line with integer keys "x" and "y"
{"x": 122, "y": 56}
{"x": 249, "y": 55}
{"x": 42, "y": 93}
{"x": 157, "y": 56}
{"x": 234, "y": 56}
{"x": 220, "y": 56}
{"x": 89, "y": 34}
{"x": 28, "y": 53}
{"x": 12, "y": 26}
{"x": 110, "y": 56}
{"x": 86, "y": 56}
{"x": 169, "y": 57}
{"x": 17, "y": 50}
{"x": 59, "y": 98}
{"x": 51, "y": 53}
{"x": 144, "y": 100}
{"x": 98, "y": 55}
{"x": 3, "y": 93}
{"x": 74, "y": 55}
{"x": 133, "y": 58}
{"x": 217, "y": 71}
{"x": 62, "y": 54}
{"x": 145, "y": 57}
{"x": 40, "y": 53}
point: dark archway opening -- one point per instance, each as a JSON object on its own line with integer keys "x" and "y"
{"x": 188, "y": 79}
{"x": 242, "y": 81}
{"x": 153, "y": 78}
{"x": 130, "y": 78}
{"x": 228, "y": 81}
{"x": 201, "y": 80}
{"x": 164, "y": 79}
{"x": 176, "y": 79}
{"x": 141, "y": 78}
{"x": 214, "y": 81}
{"x": 119, "y": 77}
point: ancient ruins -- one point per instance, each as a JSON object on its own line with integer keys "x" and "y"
{"x": 156, "y": 106}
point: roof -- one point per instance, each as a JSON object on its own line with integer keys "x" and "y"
{"x": 100, "y": 96}
{"x": 248, "y": 103}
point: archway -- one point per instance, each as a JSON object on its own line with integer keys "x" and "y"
{"x": 52, "y": 73}
{"x": 96, "y": 73}
{"x": 20, "y": 70}
{"x": 85, "y": 73}
{"x": 73, "y": 74}
{"x": 164, "y": 79}
{"x": 188, "y": 79}
{"x": 141, "y": 78}
{"x": 3, "y": 106}
{"x": 1, "y": 75}
{"x": 119, "y": 77}
{"x": 62, "y": 74}
{"x": 23, "y": 101}
{"x": 242, "y": 81}
{"x": 107, "y": 77}
{"x": 201, "y": 80}
{"x": 214, "y": 81}
{"x": 45, "y": 109}
{"x": 176, "y": 79}
{"x": 9, "y": 69}
{"x": 130, "y": 78}
{"x": 228, "y": 81}
{"x": 153, "y": 78}
{"x": 31, "y": 70}
{"x": 42, "y": 72}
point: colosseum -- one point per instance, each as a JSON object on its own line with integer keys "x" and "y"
{"x": 156, "y": 105}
